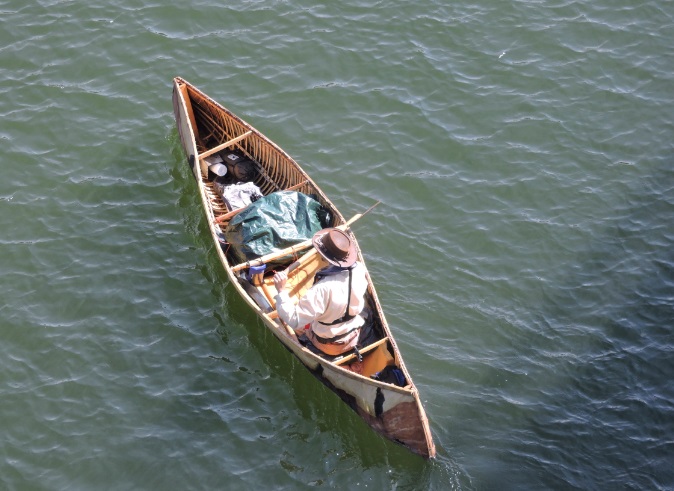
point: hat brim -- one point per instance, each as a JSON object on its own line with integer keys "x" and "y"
{"x": 350, "y": 258}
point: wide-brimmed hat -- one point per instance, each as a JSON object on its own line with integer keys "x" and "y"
{"x": 336, "y": 247}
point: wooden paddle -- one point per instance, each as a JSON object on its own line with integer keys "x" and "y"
{"x": 297, "y": 247}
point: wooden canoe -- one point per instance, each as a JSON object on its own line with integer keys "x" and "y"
{"x": 206, "y": 128}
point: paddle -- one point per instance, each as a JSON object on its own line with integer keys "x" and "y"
{"x": 297, "y": 247}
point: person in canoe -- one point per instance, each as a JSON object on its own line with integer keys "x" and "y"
{"x": 329, "y": 312}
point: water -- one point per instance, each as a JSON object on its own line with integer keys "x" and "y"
{"x": 522, "y": 251}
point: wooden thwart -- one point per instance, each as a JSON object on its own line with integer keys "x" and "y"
{"x": 367, "y": 348}
{"x": 213, "y": 150}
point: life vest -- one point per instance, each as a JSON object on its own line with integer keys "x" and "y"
{"x": 333, "y": 270}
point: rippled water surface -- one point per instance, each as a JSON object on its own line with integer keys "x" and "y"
{"x": 523, "y": 250}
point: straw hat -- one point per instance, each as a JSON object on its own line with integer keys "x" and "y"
{"x": 336, "y": 247}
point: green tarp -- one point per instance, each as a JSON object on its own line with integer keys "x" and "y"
{"x": 274, "y": 222}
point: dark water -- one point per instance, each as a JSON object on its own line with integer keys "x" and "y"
{"x": 523, "y": 250}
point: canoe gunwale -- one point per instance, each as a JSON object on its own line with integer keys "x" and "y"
{"x": 258, "y": 147}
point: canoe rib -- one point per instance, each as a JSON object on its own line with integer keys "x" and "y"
{"x": 395, "y": 412}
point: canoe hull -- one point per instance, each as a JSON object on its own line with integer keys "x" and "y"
{"x": 393, "y": 411}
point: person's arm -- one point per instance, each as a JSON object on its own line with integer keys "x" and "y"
{"x": 297, "y": 316}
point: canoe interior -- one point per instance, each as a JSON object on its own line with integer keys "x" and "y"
{"x": 396, "y": 412}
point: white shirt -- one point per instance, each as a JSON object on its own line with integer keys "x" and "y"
{"x": 325, "y": 301}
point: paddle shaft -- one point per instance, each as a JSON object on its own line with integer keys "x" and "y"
{"x": 298, "y": 247}
{"x": 313, "y": 251}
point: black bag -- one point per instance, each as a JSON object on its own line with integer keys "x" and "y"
{"x": 391, "y": 375}
{"x": 239, "y": 167}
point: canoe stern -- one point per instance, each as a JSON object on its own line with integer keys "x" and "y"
{"x": 394, "y": 412}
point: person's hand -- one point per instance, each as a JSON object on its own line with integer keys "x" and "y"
{"x": 280, "y": 279}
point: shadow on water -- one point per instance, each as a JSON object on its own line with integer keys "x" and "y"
{"x": 317, "y": 427}
{"x": 620, "y": 333}
{"x": 328, "y": 427}
{"x": 598, "y": 407}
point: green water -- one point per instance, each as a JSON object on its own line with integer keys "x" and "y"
{"x": 523, "y": 250}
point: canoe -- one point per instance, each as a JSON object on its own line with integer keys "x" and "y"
{"x": 389, "y": 405}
